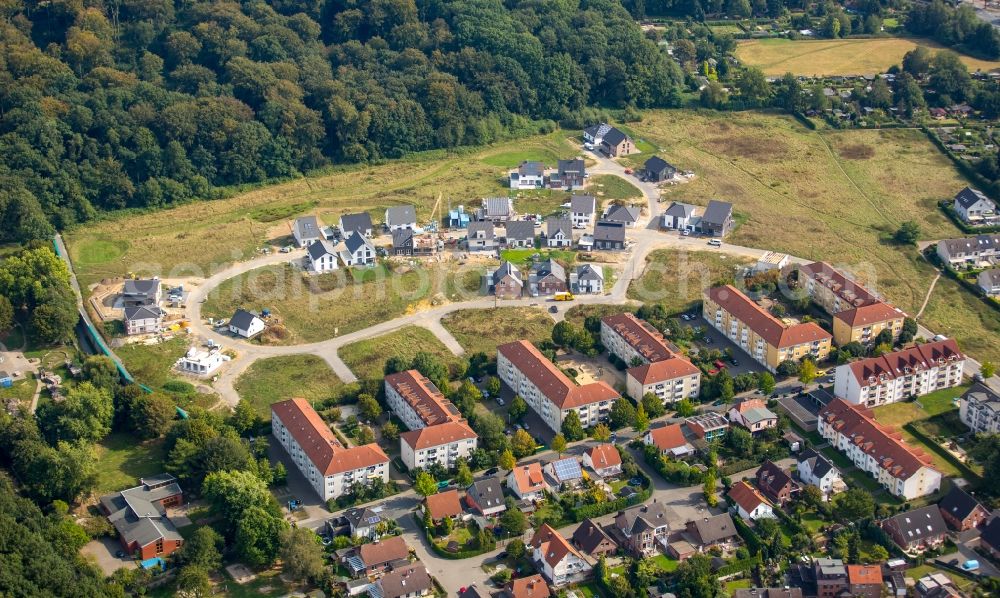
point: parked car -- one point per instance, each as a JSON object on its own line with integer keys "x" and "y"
{"x": 500, "y": 401}
{"x": 491, "y": 471}
{"x": 685, "y": 233}
{"x": 501, "y": 556}
{"x": 734, "y": 361}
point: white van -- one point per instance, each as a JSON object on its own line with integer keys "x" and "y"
{"x": 715, "y": 243}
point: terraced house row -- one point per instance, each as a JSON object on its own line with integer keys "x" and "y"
{"x": 437, "y": 431}
{"x": 548, "y": 391}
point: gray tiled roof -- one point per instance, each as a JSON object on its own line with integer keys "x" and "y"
{"x": 818, "y": 464}
{"x": 136, "y": 518}
{"x": 307, "y": 227}
{"x": 582, "y": 204}
{"x": 398, "y": 215}
{"x": 356, "y": 222}
{"x": 486, "y": 493}
{"x": 497, "y": 206}
{"x": 141, "y": 287}
{"x": 614, "y": 136}
{"x": 505, "y": 269}
{"x": 520, "y": 229}
{"x": 656, "y": 164}
{"x": 626, "y": 214}
{"x": 242, "y": 319}
{"x": 555, "y": 225}
{"x": 969, "y": 196}
{"x": 609, "y": 231}
{"x": 589, "y": 272}
{"x": 401, "y": 236}
{"x": 574, "y": 165}
{"x": 485, "y": 227}
{"x": 318, "y": 249}
{"x": 531, "y": 167}
{"x": 550, "y": 267}
{"x": 680, "y": 210}
{"x": 354, "y": 242}
{"x": 717, "y": 212}
{"x": 142, "y": 313}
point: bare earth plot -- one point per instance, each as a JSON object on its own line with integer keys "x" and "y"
{"x": 834, "y": 196}
{"x": 481, "y": 330}
{"x": 367, "y": 358}
{"x": 837, "y": 57}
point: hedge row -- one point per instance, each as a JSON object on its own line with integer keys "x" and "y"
{"x": 441, "y": 552}
{"x": 749, "y": 536}
{"x": 739, "y": 566}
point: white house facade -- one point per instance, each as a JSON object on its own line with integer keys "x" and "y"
{"x": 443, "y": 444}
{"x": 900, "y": 375}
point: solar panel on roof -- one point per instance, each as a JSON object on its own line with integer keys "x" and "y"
{"x": 374, "y": 519}
{"x": 567, "y": 469}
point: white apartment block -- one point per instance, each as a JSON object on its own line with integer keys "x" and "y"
{"x": 979, "y": 409}
{"x": 442, "y": 443}
{"x": 899, "y": 375}
{"x": 902, "y": 470}
{"x": 549, "y": 392}
{"x": 331, "y": 469}
{"x": 671, "y": 380}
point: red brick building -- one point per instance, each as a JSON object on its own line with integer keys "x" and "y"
{"x": 140, "y": 516}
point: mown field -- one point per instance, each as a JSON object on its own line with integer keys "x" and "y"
{"x": 315, "y": 308}
{"x": 828, "y": 57}
{"x": 202, "y": 237}
{"x": 276, "y": 379}
{"x": 830, "y": 195}
{"x": 676, "y": 279}
{"x": 483, "y": 329}
{"x": 367, "y": 358}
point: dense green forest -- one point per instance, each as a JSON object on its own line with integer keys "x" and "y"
{"x": 112, "y": 104}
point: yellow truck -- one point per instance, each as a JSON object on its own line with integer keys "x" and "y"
{"x": 564, "y": 296}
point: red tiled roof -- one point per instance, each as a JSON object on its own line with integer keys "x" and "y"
{"x": 527, "y": 587}
{"x": 849, "y": 291}
{"x": 604, "y": 455}
{"x": 864, "y": 575}
{"x": 383, "y": 551}
{"x": 423, "y": 397}
{"x": 554, "y": 384}
{"x": 444, "y": 504}
{"x": 892, "y": 365}
{"x": 659, "y": 371}
{"x": 445, "y": 433}
{"x": 552, "y": 545}
{"x": 668, "y": 437}
{"x": 529, "y": 478}
{"x": 881, "y": 443}
{"x": 870, "y": 314}
{"x": 638, "y": 334}
{"x": 318, "y": 442}
{"x": 771, "y": 329}
{"x": 746, "y": 496}
{"x": 748, "y": 404}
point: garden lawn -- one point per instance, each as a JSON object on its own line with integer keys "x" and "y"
{"x": 522, "y": 258}
{"x": 22, "y": 390}
{"x": 367, "y": 358}
{"x": 484, "y": 329}
{"x": 836, "y": 57}
{"x": 152, "y": 365}
{"x": 677, "y": 278}
{"x": 610, "y": 187}
{"x": 739, "y": 584}
{"x": 276, "y": 379}
{"x": 830, "y": 195}
{"x": 665, "y": 563}
{"x": 122, "y": 459}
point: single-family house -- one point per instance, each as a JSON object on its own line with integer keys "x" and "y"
{"x": 714, "y": 530}
{"x": 936, "y": 585}
{"x": 565, "y": 471}
{"x": 402, "y": 242}
{"x": 141, "y": 292}
{"x": 506, "y": 282}
{"x": 558, "y": 232}
{"x": 358, "y": 251}
{"x": 486, "y": 497}
{"x": 481, "y": 237}
{"x": 643, "y": 528}
{"x": 533, "y": 586}
{"x": 775, "y": 483}
{"x": 753, "y": 415}
{"x": 979, "y": 409}
{"x": 975, "y": 209}
{"x": 669, "y": 440}
{"x": 615, "y": 144}
{"x": 658, "y": 169}
{"x": 201, "y": 363}
{"x": 528, "y": 175}
{"x": 587, "y": 279}
{"x": 364, "y": 522}
{"x": 604, "y": 460}
{"x": 519, "y": 234}
{"x": 591, "y": 539}
{"x": 679, "y": 216}
{"x": 139, "y": 515}
{"x": 708, "y": 426}
{"x": 989, "y": 282}
{"x": 246, "y": 324}
{"x": 865, "y": 581}
{"x": 497, "y": 209}
{"x": 144, "y": 319}
{"x": 627, "y": 215}
{"x": 444, "y": 505}
{"x": 595, "y": 133}
{"x": 961, "y": 511}
{"x": 609, "y": 235}
{"x": 918, "y": 529}
{"x": 408, "y": 581}
{"x": 570, "y": 174}
{"x": 717, "y": 220}
{"x": 322, "y": 256}
{"x": 816, "y": 470}
{"x": 400, "y": 217}
{"x": 527, "y": 482}
{"x": 376, "y": 556}
{"x": 828, "y": 577}
{"x": 547, "y": 278}
{"x": 582, "y": 209}
{"x": 555, "y": 557}
{"x": 306, "y": 231}
{"x": 356, "y": 223}
{"x": 748, "y": 502}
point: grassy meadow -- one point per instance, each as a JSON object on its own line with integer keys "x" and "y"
{"x": 367, "y": 358}
{"x": 676, "y": 279}
{"x": 829, "y": 57}
{"x": 484, "y": 329}
{"x": 276, "y": 379}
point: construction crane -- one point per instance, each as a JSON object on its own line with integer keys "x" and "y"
{"x": 432, "y": 226}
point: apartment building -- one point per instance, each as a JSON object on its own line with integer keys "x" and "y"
{"x": 899, "y": 375}
{"x": 634, "y": 341}
{"x": 877, "y": 450}
{"x": 662, "y": 370}
{"x": 548, "y": 391}
{"x": 417, "y": 401}
{"x": 671, "y": 380}
{"x": 979, "y": 409}
{"x": 858, "y": 314}
{"x": 441, "y": 443}
{"x": 766, "y": 339}
{"x": 330, "y": 468}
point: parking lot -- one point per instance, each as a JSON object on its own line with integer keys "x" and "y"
{"x": 716, "y": 340}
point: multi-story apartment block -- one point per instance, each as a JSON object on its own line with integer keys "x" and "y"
{"x": 441, "y": 443}
{"x": 980, "y": 409}
{"x": 858, "y": 314}
{"x": 662, "y": 370}
{"x": 548, "y": 391}
{"x": 416, "y": 401}
{"x": 634, "y": 341}
{"x": 331, "y": 469}
{"x": 671, "y": 380}
{"x": 768, "y": 340}
{"x": 879, "y": 451}
{"x": 899, "y": 375}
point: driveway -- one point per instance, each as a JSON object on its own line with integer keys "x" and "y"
{"x": 722, "y": 342}
{"x": 102, "y": 552}
{"x": 964, "y": 553}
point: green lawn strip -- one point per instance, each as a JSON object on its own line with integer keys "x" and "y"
{"x": 942, "y": 400}
{"x": 367, "y": 358}
{"x": 122, "y": 459}
{"x": 665, "y": 563}
{"x": 275, "y": 379}
{"x": 523, "y": 258}
{"x": 738, "y": 584}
